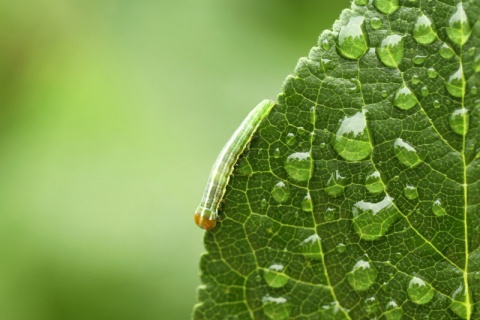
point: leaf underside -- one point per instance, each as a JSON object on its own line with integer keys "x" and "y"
{"x": 362, "y": 194}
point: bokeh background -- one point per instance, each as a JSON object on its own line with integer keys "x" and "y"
{"x": 111, "y": 115}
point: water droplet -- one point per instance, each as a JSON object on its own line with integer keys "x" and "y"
{"x": 476, "y": 63}
{"x": 391, "y": 50}
{"x": 263, "y": 203}
{"x": 276, "y": 308}
{"x": 404, "y": 98}
{"x": 335, "y": 184}
{"x": 244, "y": 168}
{"x": 326, "y": 45}
{"x": 419, "y": 59}
{"x": 419, "y": 291}
{"x": 424, "y": 91}
{"x": 276, "y": 153}
{"x": 312, "y": 248}
{"x": 351, "y": 140}
{"x": 371, "y": 307}
{"x": 362, "y": 276}
{"x": 329, "y": 214}
{"x": 313, "y": 117}
{"x": 410, "y": 192}
{"x": 372, "y": 220}
{"x": 436, "y": 104}
{"x": 458, "y": 29}
{"x": 456, "y": 83}
{"x": 423, "y": 31}
{"x": 307, "y": 204}
{"x": 474, "y": 90}
{"x": 386, "y": 6}
{"x": 437, "y": 208}
{"x": 376, "y": 23}
{"x": 291, "y": 139}
{"x": 299, "y": 166}
{"x": 476, "y": 275}
{"x": 274, "y": 276}
{"x": 415, "y": 79}
{"x": 446, "y": 52}
{"x": 341, "y": 248}
{"x": 459, "y": 306}
{"x": 393, "y": 311}
{"x": 406, "y": 154}
{"x": 361, "y": 2}
{"x": 281, "y": 192}
{"x": 373, "y": 183}
{"x": 352, "y": 41}
{"x": 432, "y": 73}
{"x": 459, "y": 121}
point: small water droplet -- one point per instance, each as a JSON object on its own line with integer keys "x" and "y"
{"x": 424, "y": 91}
{"x": 351, "y": 140}
{"x": 393, "y": 311}
{"x": 410, "y": 192}
{"x": 276, "y": 153}
{"x": 415, "y": 79}
{"x": 291, "y": 139}
{"x": 459, "y": 121}
{"x": 391, "y": 50}
{"x": 459, "y": 306}
{"x": 458, "y": 29}
{"x": 384, "y": 93}
{"x": 362, "y": 276}
{"x": 372, "y": 220}
{"x": 299, "y": 166}
{"x": 437, "y": 208}
{"x": 386, "y": 6}
{"x": 474, "y": 90}
{"x": 436, "y": 104}
{"x": 263, "y": 203}
{"x": 456, "y": 83}
{"x": 371, "y": 307}
{"x": 476, "y": 275}
{"x": 341, "y": 248}
{"x": 404, "y": 98}
{"x": 281, "y": 192}
{"x": 419, "y": 59}
{"x": 432, "y": 73}
{"x": 419, "y": 291}
{"x": 326, "y": 45}
{"x": 423, "y": 31}
{"x": 406, "y": 154}
{"x": 373, "y": 182}
{"x": 329, "y": 214}
{"x": 446, "y": 52}
{"x": 275, "y": 277}
{"x": 312, "y": 248}
{"x": 352, "y": 40}
{"x": 307, "y": 204}
{"x": 335, "y": 185}
{"x": 276, "y": 308}
{"x": 476, "y": 63}
{"x": 376, "y": 23}
{"x": 361, "y": 2}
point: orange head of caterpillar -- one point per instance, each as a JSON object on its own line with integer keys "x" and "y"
{"x": 205, "y": 219}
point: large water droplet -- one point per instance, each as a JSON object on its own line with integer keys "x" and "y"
{"x": 372, "y": 220}
{"x": 419, "y": 291}
{"x": 406, "y": 154}
{"x": 281, "y": 192}
{"x": 376, "y": 23}
{"x": 393, "y": 311}
{"x": 335, "y": 184}
{"x": 362, "y": 276}
{"x": 459, "y": 306}
{"x": 456, "y": 83}
{"x": 276, "y": 308}
{"x": 351, "y": 140}
{"x": 386, "y": 6}
{"x": 459, "y": 121}
{"x": 299, "y": 166}
{"x": 307, "y": 204}
{"x": 423, "y": 31}
{"x": 391, "y": 50}
{"x": 275, "y": 277}
{"x": 352, "y": 41}
{"x": 458, "y": 29}
{"x": 373, "y": 183}
{"x": 404, "y": 98}
{"x": 438, "y": 209}
{"x": 410, "y": 192}
{"x": 312, "y": 248}
{"x": 446, "y": 52}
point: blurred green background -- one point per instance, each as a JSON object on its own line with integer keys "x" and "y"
{"x": 112, "y": 113}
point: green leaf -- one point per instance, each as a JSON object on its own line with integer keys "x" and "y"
{"x": 383, "y": 220}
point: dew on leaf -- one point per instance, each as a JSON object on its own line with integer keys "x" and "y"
{"x": 311, "y": 247}
{"x": 329, "y": 214}
{"x": 386, "y": 6}
{"x": 299, "y": 166}
{"x": 276, "y": 308}
{"x": 410, "y": 192}
{"x": 404, "y": 98}
{"x": 351, "y": 140}
{"x": 474, "y": 90}
{"x": 459, "y": 121}
{"x": 276, "y": 153}
{"x": 391, "y": 50}
{"x": 438, "y": 209}
{"x": 419, "y": 291}
{"x": 458, "y": 29}
{"x": 446, "y": 52}
{"x": 371, "y": 306}
{"x": 432, "y": 73}
{"x": 291, "y": 139}
{"x": 307, "y": 204}
{"x": 459, "y": 303}
{"x": 275, "y": 277}
{"x": 362, "y": 276}
{"x": 352, "y": 40}
{"x": 335, "y": 185}
{"x": 376, "y": 23}
{"x": 326, "y": 45}
{"x": 423, "y": 31}
{"x": 436, "y": 104}
{"x": 372, "y": 220}
{"x": 263, "y": 203}
{"x": 476, "y": 63}
{"x": 281, "y": 192}
{"x": 476, "y": 275}
{"x": 393, "y": 311}
{"x": 415, "y": 79}
{"x": 406, "y": 154}
{"x": 424, "y": 91}
{"x": 373, "y": 183}
{"x": 456, "y": 83}
{"x": 341, "y": 248}
{"x": 419, "y": 59}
